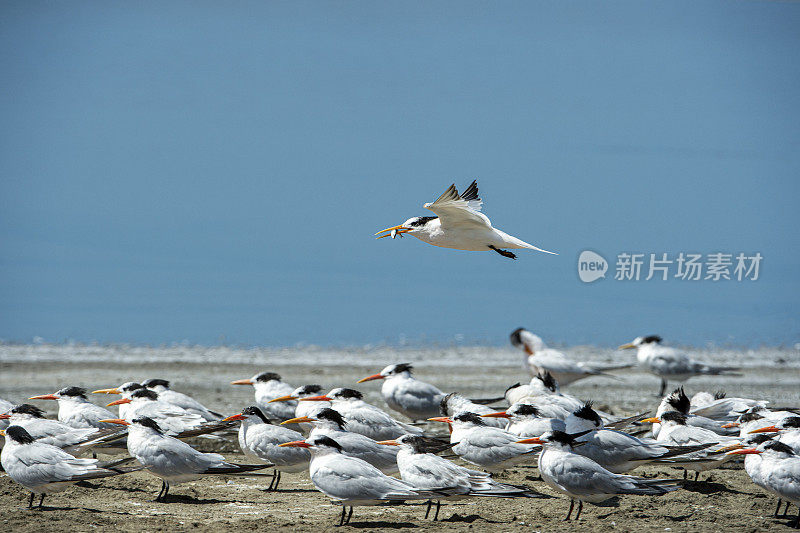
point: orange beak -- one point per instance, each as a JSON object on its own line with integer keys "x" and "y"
{"x": 287, "y": 398}
{"x": 107, "y": 391}
{"x": 730, "y": 425}
{"x": 296, "y": 444}
{"x": 653, "y": 420}
{"x": 501, "y": 414}
{"x": 5, "y": 416}
{"x": 322, "y": 398}
{"x": 441, "y": 419}
{"x": 744, "y": 451}
{"x": 370, "y": 378}
{"x": 399, "y": 230}
{"x": 389, "y": 442}
{"x": 242, "y": 382}
{"x": 119, "y": 421}
{"x": 234, "y": 417}
{"x": 297, "y": 420}
{"x": 534, "y": 440}
{"x": 768, "y": 429}
{"x": 119, "y": 402}
{"x": 44, "y": 397}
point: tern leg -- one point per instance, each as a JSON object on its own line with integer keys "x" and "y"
{"x": 349, "y": 515}
{"x": 696, "y": 475}
{"x": 166, "y": 490}
{"x": 436, "y": 516}
{"x": 41, "y": 499}
{"x": 161, "y": 491}
{"x": 663, "y": 387}
{"x": 796, "y": 523}
{"x": 778, "y": 508}
{"x": 571, "y": 505}
{"x": 427, "y": 511}
{"x": 504, "y": 253}
{"x": 272, "y": 484}
{"x": 341, "y": 518}
{"x": 580, "y": 508}
{"x": 686, "y": 474}
{"x": 786, "y": 509}
{"x": 279, "y": 480}
{"x": 30, "y": 502}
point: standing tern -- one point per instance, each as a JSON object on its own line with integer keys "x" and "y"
{"x": 488, "y": 447}
{"x": 405, "y": 394}
{"x": 778, "y": 470}
{"x": 268, "y": 386}
{"x": 362, "y": 417}
{"x": 171, "y": 459}
{"x": 349, "y": 481}
{"x": 75, "y": 409}
{"x": 539, "y": 359}
{"x": 43, "y": 468}
{"x": 678, "y": 401}
{"x": 171, "y": 418}
{"x": 788, "y": 429}
{"x": 125, "y": 390}
{"x": 459, "y": 224}
{"x": 328, "y": 422}
{"x": 259, "y": 439}
{"x": 454, "y": 404}
{"x": 32, "y": 419}
{"x": 422, "y": 468}
{"x": 165, "y": 394}
{"x": 669, "y": 363}
{"x": 584, "y": 480}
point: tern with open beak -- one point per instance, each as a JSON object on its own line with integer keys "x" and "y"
{"x": 459, "y": 224}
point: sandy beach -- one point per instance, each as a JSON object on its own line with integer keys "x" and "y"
{"x": 729, "y": 500}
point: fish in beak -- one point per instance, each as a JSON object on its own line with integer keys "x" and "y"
{"x": 393, "y": 231}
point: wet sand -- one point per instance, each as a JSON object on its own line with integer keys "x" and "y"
{"x": 729, "y": 500}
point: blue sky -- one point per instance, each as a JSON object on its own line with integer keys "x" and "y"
{"x": 188, "y": 171}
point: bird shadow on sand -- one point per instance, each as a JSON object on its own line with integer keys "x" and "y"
{"x": 470, "y": 519}
{"x": 287, "y": 491}
{"x": 709, "y": 487}
{"x": 382, "y": 525}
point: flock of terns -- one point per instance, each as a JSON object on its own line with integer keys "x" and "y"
{"x": 358, "y": 454}
{"x": 355, "y": 451}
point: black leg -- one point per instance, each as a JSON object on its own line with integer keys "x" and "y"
{"x": 341, "y": 518}
{"x": 504, "y": 253}
{"x": 580, "y": 508}
{"x": 663, "y": 388}
{"x": 278, "y": 481}
{"x": 349, "y": 515}
{"x": 696, "y": 475}
{"x": 427, "y": 511}
{"x": 778, "y": 508}
{"x": 166, "y": 490}
{"x": 786, "y": 509}
{"x": 272, "y": 481}
{"x": 30, "y": 502}
{"x": 571, "y": 505}
{"x": 796, "y": 523}
{"x": 685, "y": 474}
{"x": 436, "y": 516}
{"x": 41, "y": 500}
{"x": 160, "y": 492}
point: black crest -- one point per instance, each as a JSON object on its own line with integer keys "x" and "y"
{"x": 267, "y": 376}
{"x": 778, "y": 446}
{"x": 255, "y": 411}
{"x": 720, "y": 394}
{"x": 155, "y": 382}
{"x": 73, "y": 392}
{"x": 674, "y": 416}
{"x": 422, "y": 444}
{"x": 679, "y": 401}
{"x": 145, "y": 393}
{"x": 131, "y": 386}
{"x": 28, "y": 409}
{"x": 421, "y": 221}
{"x": 19, "y": 435}
{"x": 759, "y": 438}
{"x": 791, "y": 422}
{"x": 565, "y": 438}
{"x": 443, "y": 409}
{"x": 311, "y": 390}
{"x": 331, "y": 414}
{"x": 326, "y": 441}
{"x": 147, "y": 422}
{"x": 749, "y": 417}
{"x": 587, "y": 413}
{"x": 652, "y": 338}
{"x": 524, "y": 409}
{"x": 349, "y": 394}
{"x": 470, "y": 417}
{"x": 402, "y": 367}
{"x": 516, "y": 338}
{"x": 514, "y": 386}
{"x": 548, "y": 380}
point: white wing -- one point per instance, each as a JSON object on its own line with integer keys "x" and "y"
{"x": 459, "y": 210}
